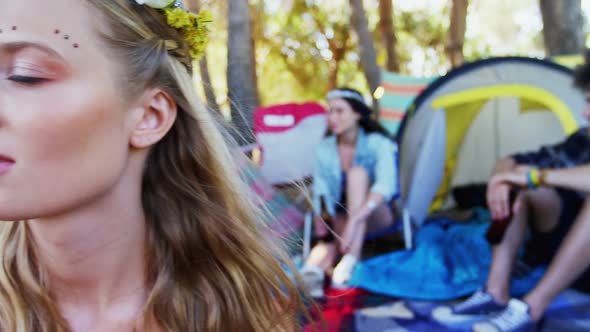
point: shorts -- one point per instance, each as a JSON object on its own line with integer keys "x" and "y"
{"x": 543, "y": 246}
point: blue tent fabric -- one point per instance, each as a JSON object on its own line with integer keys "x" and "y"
{"x": 450, "y": 260}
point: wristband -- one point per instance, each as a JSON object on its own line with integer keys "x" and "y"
{"x": 533, "y": 178}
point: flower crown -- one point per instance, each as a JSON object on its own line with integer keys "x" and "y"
{"x": 193, "y": 27}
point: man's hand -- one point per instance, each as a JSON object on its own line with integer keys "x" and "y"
{"x": 498, "y": 193}
{"x": 497, "y": 196}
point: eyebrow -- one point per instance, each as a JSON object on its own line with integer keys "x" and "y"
{"x": 16, "y": 46}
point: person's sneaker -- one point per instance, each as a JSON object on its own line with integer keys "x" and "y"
{"x": 313, "y": 278}
{"x": 515, "y": 318}
{"x": 343, "y": 272}
{"x": 480, "y": 303}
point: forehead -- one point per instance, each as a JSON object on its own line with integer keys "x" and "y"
{"x": 338, "y": 102}
{"x": 57, "y": 23}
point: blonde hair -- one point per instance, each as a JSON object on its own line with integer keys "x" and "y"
{"x": 208, "y": 265}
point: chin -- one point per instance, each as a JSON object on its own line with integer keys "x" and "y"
{"x": 9, "y": 217}
{"x": 12, "y": 213}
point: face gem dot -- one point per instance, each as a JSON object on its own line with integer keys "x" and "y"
{"x": 66, "y": 37}
{"x": 76, "y": 45}
{"x": 56, "y": 31}
{"x": 14, "y": 28}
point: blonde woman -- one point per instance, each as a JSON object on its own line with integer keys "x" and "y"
{"x": 126, "y": 213}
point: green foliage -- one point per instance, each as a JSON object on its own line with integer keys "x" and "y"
{"x": 301, "y": 49}
{"x": 305, "y": 47}
{"x": 422, "y": 35}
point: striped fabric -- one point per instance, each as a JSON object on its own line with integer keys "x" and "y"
{"x": 400, "y": 92}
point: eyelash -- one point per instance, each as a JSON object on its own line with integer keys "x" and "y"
{"x": 26, "y": 79}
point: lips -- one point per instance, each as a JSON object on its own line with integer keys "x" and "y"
{"x": 6, "y": 164}
{"x": 6, "y": 159}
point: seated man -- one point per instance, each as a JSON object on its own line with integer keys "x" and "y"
{"x": 556, "y": 207}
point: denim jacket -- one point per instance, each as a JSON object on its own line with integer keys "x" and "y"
{"x": 374, "y": 152}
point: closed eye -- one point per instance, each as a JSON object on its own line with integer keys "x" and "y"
{"x": 27, "y": 79}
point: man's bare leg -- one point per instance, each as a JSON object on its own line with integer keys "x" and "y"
{"x": 571, "y": 261}
{"x": 542, "y": 207}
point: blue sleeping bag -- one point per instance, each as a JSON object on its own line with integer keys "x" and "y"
{"x": 450, "y": 260}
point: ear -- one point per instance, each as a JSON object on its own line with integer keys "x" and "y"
{"x": 152, "y": 119}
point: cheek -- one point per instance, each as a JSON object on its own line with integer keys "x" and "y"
{"x": 72, "y": 132}
{"x": 66, "y": 152}
{"x": 351, "y": 118}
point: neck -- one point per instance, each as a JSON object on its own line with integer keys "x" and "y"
{"x": 349, "y": 137}
{"x": 95, "y": 255}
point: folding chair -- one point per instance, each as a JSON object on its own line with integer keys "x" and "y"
{"x": 287, "y": 135}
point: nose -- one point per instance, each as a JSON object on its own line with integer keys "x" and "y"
{"x": 331, "y": 117}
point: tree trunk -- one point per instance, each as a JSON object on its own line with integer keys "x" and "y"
{"x": 387, "y": 29}
{"x": 367, "y": 48}
{"x": 194, "y": 6}
{"x": 456, "y": 37}
{"x": 333, "y": 74}
{"x": 253, "y": 26}
{"x": 339, "y": 45}
{"x": 563, "y": 26}
{"x": 241, "y": 89}
{"x": 338, "y": 54}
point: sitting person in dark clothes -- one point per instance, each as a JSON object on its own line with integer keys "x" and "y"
{"x": 554, "y": 202}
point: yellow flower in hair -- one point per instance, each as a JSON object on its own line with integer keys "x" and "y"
{"x": 179, "y": 18}
{"x": 205, "y": 16}
{"x": 193, "y": 27}
{"x": 197, "y": 41}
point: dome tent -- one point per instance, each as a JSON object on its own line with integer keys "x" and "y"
{"x": 464, "y": 122}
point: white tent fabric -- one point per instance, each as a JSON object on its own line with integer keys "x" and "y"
{"x": 423, "y": 147}
{"x": 510, "y": 131}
